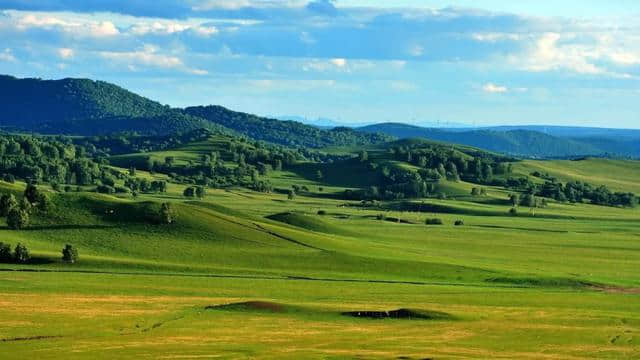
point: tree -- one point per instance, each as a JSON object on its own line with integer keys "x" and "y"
{"x": 31, "y": 193}
{"x": 363, "y": 156}
{"x": 69, "y": 254}
{"x": 291, "y": 195}
{"x": 17, "y": 218}
{"x": 189, "y": 192}
{"x": 21, "y": 254}
{"x": 514, "y": 199}
{"x": 7, "y": 202}
{"x": 132, "y": 171}
{"x": 5, "y": 252}
{"x": 475, "y": 191}
{"x": 201, "y": 191}
{"x": 166, "y": 213}
{"x": 319, "y": 175}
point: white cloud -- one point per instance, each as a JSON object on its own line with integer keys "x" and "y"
{"x": 148, "y": 55}
{"x": 80, "y": 28}
{"x": 65, "y": 53}
{"x": 495, "y": 37}
{"x": 171, "y": 27}
{"x": 494, "y": 89}
{"x": 339, "y": 62}
{"x": 7, "y": 55}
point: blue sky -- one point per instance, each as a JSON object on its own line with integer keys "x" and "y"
{"x": 569, "y": 62}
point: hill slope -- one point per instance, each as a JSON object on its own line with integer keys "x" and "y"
{"x": 290, "y": 133}
{"x": 86, "y": 107}
{"x": 526, "y": 143}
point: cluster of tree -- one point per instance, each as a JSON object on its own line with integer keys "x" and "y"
{"x": 18, "y": 213}
{"x": 54, "y": 160}
{"x": 574, "y": 192}
{"x": 195, "y": 191}
{"x": 20, "y": 253}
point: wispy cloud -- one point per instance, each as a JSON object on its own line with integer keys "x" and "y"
{"x": 494, "y": 89}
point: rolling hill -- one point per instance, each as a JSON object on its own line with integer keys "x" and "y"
{"x": 87, "y": 107}
{"x": 518, "y": 142}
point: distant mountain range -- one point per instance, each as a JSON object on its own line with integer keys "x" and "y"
{"x": 525, "y": 141}
{"x": 88, "y": 107}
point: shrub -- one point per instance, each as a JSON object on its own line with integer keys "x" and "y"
{"x": 322, "y": 212}
{"x": 381, "y": 216}
{"x": 459, "y": 223}
{"x": 21, "y": 254}
{"x": 5, "y": 253}
{"x": 513, "y": 212}
{"x": 167, "y": 215}
{"x": 434, "y": 221}
{"x": 69, "y": 254}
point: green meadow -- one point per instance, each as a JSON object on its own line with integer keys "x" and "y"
{"x": 242, "y": 274}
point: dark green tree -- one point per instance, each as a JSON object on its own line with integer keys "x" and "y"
{"x": 21, "y": 254}
{"x": 7, "y": 202}
{"x": 167, "y": 215}
{"x": 69, "y": 254}
{"x": 5, "y": 253}
{"x": 17, "y": 218}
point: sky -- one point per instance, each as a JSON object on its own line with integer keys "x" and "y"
{"x": 478, "y": 62}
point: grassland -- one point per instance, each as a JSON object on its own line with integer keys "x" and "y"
{"x": 558, "y": 283}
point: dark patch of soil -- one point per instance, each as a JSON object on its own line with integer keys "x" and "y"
{"x": 40, "y": 337}
{"x": 250, "y": 305}
{"x": 400, "y": 314}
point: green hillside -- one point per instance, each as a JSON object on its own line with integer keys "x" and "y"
{"x": 620, "y": 175}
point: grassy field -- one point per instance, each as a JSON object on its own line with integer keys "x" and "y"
{"x": 560, "y": 283}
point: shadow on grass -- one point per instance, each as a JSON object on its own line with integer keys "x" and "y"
{"x": 63, "y": 227}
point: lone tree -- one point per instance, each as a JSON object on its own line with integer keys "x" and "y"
{"x": 5, "y": 252}
{"x": 166, "y": 213}
{"x": 7, "y": 202}
{"x": 17, "y": 218}
{"x": 69, "y": 254}
{"x": 189, "y": 192}
{"x": 32, "y": 194}
{"x": 291, "y": 195}
{"x": 21, "y": 254}
{"x": 201, "y": 191}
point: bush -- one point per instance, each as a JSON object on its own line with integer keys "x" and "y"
{"x": 513, "y": 212}
{"x": 322, "y": 212}
{"x": 21, "y": 254}
{"x": 105, "y": 189}
{"x": 435, "y": 221}
{"x": 459, "y": 223}
{"x": 69, "y": 254}
{"x": 381, "y": 217}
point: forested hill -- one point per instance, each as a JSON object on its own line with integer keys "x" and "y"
{"x": 88, "y": 107}
{"x": 291, "y": 133}
{"x": 515, "y": 142}
{"x": 85, "y": 107}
